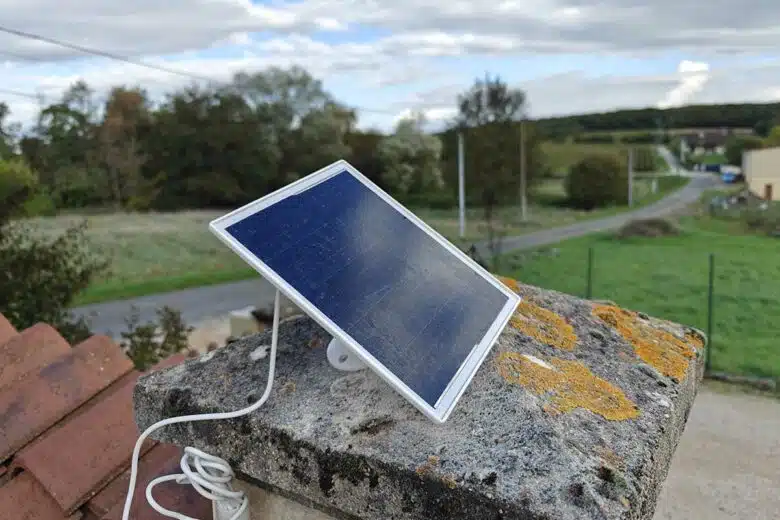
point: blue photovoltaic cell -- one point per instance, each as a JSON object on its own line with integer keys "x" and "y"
{"x": 411, "y": 303}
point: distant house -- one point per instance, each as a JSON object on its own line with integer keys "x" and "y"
{"x": 762, "y": 172}
{"x": 711, "y": 140}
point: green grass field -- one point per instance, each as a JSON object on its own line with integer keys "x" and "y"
{"x": 668, "y": 277}
{"x": 160, "y": 252}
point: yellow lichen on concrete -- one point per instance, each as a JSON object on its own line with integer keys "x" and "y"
{"x": 695, "y": 339}
{"x": 571, "y": 384}
{"x": 661, "y": 349}
{"x": 449, "y": 482}
{"x": 543, "y": 325}
{"x": 509, "y": 282}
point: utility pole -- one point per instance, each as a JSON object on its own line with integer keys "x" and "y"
{"x": 523, "y": 188}
{"x": 461, "y": 186}
{"x": 630, "y": 177}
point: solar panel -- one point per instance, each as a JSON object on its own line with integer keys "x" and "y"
{"x": 399, "y": 296}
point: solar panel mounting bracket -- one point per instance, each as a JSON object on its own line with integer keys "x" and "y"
{"x": 343, "y": 358}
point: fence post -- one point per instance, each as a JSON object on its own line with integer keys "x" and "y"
{"x": 589, "y": 286}
{"x": 710, "y": 305}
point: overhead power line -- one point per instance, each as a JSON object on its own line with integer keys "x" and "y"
{"x": 133, "y": 61}
{"x": 19, "y": 93}
{"x": 101, "y": 53}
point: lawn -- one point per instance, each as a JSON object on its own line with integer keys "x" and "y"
{"x": 668, "y": 277}
{"x": 710, "y": 158}
{"x": 160, "y": 252}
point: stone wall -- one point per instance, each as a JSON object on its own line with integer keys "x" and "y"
{"x": 575, "y": 414}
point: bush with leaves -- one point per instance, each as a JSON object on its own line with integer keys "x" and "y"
{"x": 411, "y": 159}
{"x": 738, "y": 145}
{"x": 598, "y": 180}
{"x": 149, "y": 343}
{"x": 40, "y": 276}
{"x": 645, "y": 159}
{"x": 17, "y": 184}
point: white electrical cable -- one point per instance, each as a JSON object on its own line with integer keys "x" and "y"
{"x": 209, "y": 475}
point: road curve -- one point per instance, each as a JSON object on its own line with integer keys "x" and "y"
{"x": 677, "y": 200}
{"x": 202, "y": 303}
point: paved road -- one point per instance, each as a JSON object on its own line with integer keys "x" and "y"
{"x": 199, "y": 304}
{"x": 675, "y": 201}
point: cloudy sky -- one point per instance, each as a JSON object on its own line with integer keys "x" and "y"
{"x": 388, "y": 57}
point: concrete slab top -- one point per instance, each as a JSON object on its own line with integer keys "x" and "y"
{"x": 575, "y": 414}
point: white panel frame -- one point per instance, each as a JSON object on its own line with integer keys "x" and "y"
{"x": 447, "y": 401}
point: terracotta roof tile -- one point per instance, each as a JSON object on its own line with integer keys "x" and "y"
{"x": 26, "y": 352}
{"x": 99, "y": 439}
{"x": 78, "y": 403}
{"x": 7, "y": 331}
{"x": 171, "y": 496}
{"x": 149, "y": 466}
{"x": 163, "y": 459}
{"x": 23, "y": 498}
{"x": 46, "y": 396}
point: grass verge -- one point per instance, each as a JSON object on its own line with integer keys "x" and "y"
{"x": 668, "y": 277}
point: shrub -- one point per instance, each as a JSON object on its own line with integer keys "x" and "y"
{"x": 149, "y": 343}
{"x": 17, "y": 183}
{"x": 40, "y": 204}
{"x": 432, "y": 200}
{"x": 40, "y": 275}
{"x": 761, "y": 221}
{"x": 649, "y": 228}
{"x": 644, "y": 159}
{"x": 597, "y": 180}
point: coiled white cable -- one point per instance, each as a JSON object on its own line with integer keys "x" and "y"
{"x": 209, "y": 475}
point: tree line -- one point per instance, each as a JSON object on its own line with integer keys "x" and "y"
{"x": 222, "y": 146}
{"x": 760, "y": 117}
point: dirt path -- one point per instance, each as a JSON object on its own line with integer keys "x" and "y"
{"x": 727, "y": 465}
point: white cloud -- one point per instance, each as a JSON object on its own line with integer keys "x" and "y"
{"x": 693, "y": 78}
{"x": 388, "y": 50}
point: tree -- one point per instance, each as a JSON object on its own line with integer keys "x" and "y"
{"x": 739, "y": 144}
{"x": 598, "y": 180}
{"x": 306, "y": 125}
{"x": 62, "y": 141}
{"x": 208, "y": 147}
{"x": 117, "y": 152}
{"x": 8, "y": 133}
{"x": 773, "y": 139}
{"x": 411, "y": 159}
{"x": 488, "y": 115}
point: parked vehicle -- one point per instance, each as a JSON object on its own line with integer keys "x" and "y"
{"x": 732, "y": 178}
